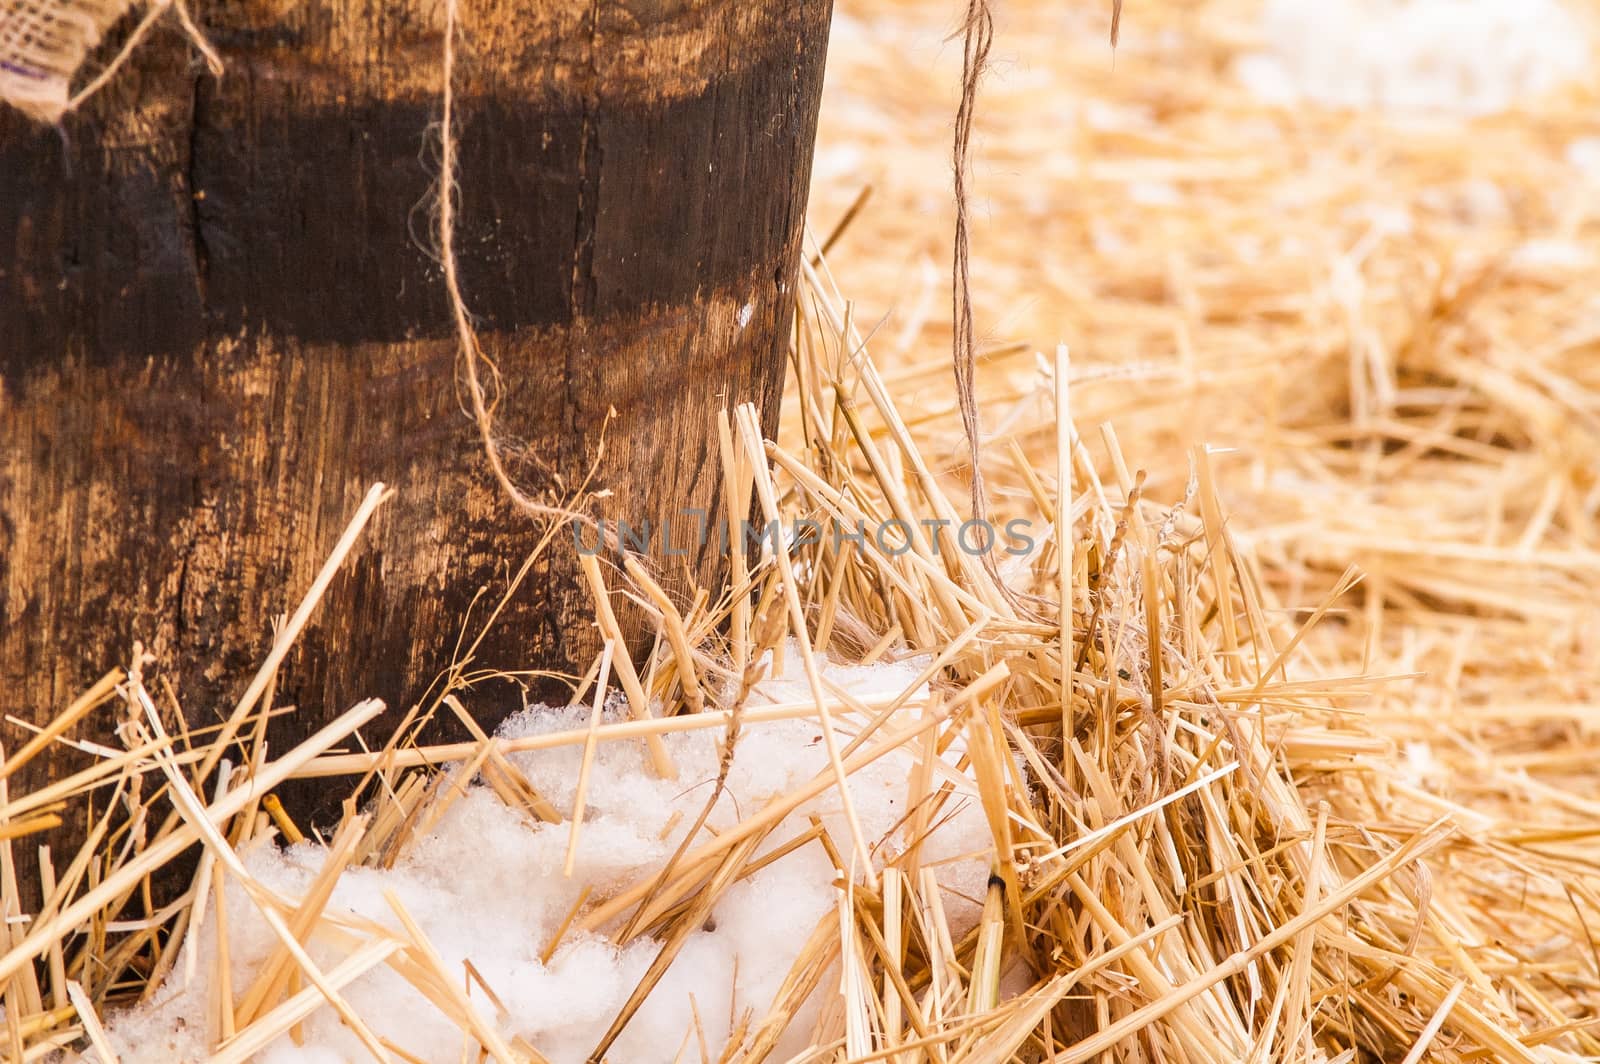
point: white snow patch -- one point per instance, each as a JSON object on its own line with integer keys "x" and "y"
{"x": 1154, "y": 194}
{"x": 1551, "y": 257}
{"x": 487, "y": 885}
{"x": 1583, "y": 154}
{"x": 1420, "y": 768}
{"x": 1457, "y": 57}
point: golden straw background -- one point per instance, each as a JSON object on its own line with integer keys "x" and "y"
{"x": 1306, "y": 771}
{"x": 1391, "y": 327}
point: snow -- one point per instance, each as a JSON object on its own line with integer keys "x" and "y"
{"x": 1583, "y": 154}
{"x": 1455, "y": 57}
{"x": 1421, "y": 767}
{"x": 485, "y": 884}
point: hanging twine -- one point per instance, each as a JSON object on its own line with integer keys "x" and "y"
{"x": 978, "y": 36}
{"x": 475, "y": 363}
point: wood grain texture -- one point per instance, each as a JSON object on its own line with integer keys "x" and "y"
{"x": 220, "y": 321}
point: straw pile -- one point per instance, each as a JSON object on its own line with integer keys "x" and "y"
{"x": 1303, "y": 771}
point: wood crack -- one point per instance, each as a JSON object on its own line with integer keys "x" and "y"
{"x": 200, "y": 253}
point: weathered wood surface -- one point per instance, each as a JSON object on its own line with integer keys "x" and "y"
{"x": 219, "y": 324}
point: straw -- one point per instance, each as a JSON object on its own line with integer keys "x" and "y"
{"x": 1282, "y": 730}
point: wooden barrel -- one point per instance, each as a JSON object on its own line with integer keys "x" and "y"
{"x": 222, "y": 318}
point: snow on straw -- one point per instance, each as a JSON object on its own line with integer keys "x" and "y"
{"x": 1461, "y": 57}
{"x": 486, "y": 886}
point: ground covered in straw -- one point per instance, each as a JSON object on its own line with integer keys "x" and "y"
{"x": 1304, "y": 773}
